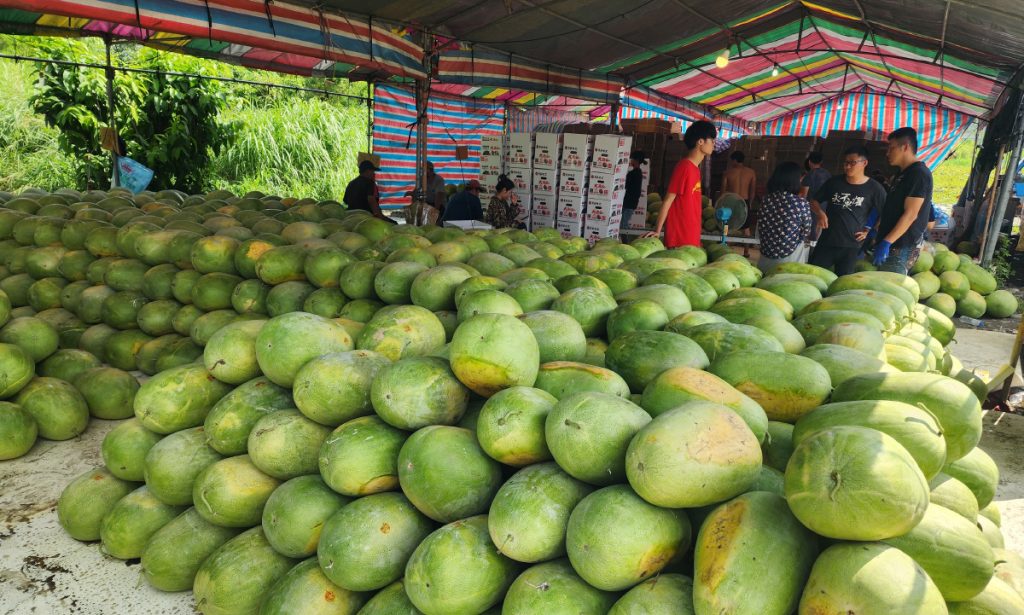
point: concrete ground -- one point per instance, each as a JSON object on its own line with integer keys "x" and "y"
{"x": 44, "y": 571}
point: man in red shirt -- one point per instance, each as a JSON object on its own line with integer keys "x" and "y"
{"x": 682, "y": 223}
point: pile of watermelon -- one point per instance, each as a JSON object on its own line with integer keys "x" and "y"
{"x": 954, "y": 284}
{"x": 340, "y": 415}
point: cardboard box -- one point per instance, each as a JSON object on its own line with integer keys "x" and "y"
{"x": 576, "y": 151}
{"x": 545, "y": 181}
{"x": 600, "y": 212}
{"x": 522, "y": 178}
{"x": 570, "y": 208}
{"x": 604, "y": 185}
{"x": 569, "y": 228}
{"x": 544, "y": 206}
{"x": 487, "y": 184}
{"x": 546, "y": 150}
{"x": 611, "y": 152}
{"x": 524, "y": 213}
{"x": 493, "y": 162}
{"x": 491, "y": 169}
{"x": 638, "y": 220}
{"x": 541, "y": 221}
{"x": 572, "y": 182}
{"x": 592, "y": 231}
{"x": 609, "y": 198}
{"x": 520, "y": 150}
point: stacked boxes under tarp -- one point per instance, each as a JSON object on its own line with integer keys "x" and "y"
{"x": 546, "y": 156}
{"x": 519, "y": 165}
{"x": 492, "y": 165}
{"x": 606, "y": 186}
{"x": 573, "y": 180}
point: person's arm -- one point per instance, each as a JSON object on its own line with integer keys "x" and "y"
{"x": 476, "y": 211}
{"x": 662, "y": 215}
{"x": 751, "y": 185}
{"x": 374, "y": 206}
{"x": 911, "y": 207}
{"x": 819, "y": 213}
{"x": 804, "y": 192}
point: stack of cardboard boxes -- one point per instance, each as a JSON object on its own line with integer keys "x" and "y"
{"x": 544, "y": 202}
{"x": 492, "y": 165}
{"x": 573, "y": 184}
{"x": 606, "y": 186}
{"x": 519, "y": 169}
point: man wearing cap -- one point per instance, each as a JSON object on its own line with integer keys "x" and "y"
{"x": 465, "y": 205}
{"x": 362, "y": 192}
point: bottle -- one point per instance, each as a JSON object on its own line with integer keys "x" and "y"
{"x": 974, "y": 322}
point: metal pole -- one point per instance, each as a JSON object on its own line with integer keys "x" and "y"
{"x": 369, "y": 118}
{"x": 1004, "y": 190}
{"x": 422, "y": 94}
{"x": 991, "y": 201}
{"x": 614, "y": 119}
{"x": 116, "y": 177}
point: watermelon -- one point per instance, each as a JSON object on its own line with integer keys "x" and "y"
{"x": 855, "y": 483}
{"x": 615, "y": 539}
{"x": 668, "y": 462}
{"x": 366, "y": 545}
{"x": 294, "y": 515}
{"x": 530, "y": 512}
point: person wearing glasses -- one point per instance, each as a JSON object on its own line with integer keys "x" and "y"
{"x": 846, "y": 207}
{"x": 904, "y": 218}
{"x": 465, "y": 204}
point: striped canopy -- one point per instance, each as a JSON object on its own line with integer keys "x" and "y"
{"x": 953, "y": 60}
{"x": 277, "y": 36}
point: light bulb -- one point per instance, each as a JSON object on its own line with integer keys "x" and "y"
{"x": 723, "y": 59}
{"x": 775, "y": 71}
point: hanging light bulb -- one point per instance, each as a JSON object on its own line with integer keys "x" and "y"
{"x": 723, "y": 59}
{"x": 775, "y": 71}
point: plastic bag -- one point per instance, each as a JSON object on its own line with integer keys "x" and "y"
{"x": 133, "y": 175}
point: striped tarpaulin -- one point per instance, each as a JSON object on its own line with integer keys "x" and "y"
{"x": 639, "y": 103}
{"x": 451, "y": 121}
{"x": 494, "y": 68}
{"x": 276, "y": 35}
{"x": 938, "y": 130}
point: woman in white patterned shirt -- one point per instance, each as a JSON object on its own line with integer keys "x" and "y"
{"x": 785, "y": 218}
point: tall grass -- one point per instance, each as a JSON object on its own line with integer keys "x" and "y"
{"x": 29, "y": 152}
{"x": 296, "y": 147}
{"x": 951, "y": 175}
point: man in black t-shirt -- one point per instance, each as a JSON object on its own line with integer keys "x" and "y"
{"x": 845, "y": 206}
{"x": 362, "y": 192}
{"x": 905, "y": 215}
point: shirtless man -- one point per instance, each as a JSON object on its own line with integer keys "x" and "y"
{"x": 739, "y": 178}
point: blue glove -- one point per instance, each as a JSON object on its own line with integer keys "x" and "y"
{"x": 872, "y": 218}
{"x": 881, "y": 252}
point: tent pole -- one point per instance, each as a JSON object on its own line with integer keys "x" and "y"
{"x": 422, "y": 95}
{"x": 991, "y": 200}
{"x": 614, "y": 119}
{"x": 109, "y": 73}
{"x": 1004, "y": 190}
{"x": 369, "y": 117}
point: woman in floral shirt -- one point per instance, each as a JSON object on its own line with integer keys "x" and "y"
{"x": 785, "y": 218}
{"x": 504, "y": 207}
